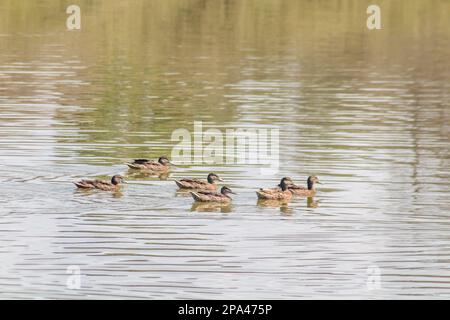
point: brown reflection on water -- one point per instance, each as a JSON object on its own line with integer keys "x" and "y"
{"x": 279, "y": 204}
{"x": 211, "y": 207}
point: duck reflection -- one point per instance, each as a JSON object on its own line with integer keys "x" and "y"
{"x": 211, "y": 207}
{"x": 91, "y": 192}
{"x": 311, "y": 203}
{"x": 117, "y": 194}
{"x": 283, "y": 205}
{"x": 142, "y": 174}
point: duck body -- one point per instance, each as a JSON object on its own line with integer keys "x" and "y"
{"x": 280, "y": 193}
{"x": 198, "y": 184}
{"x": 195, "y": 184}
{"x": 302, "y": 191}
{"x": 162, "y": 165}
{"x": 208, "y": 196}
{"x": 114, "y": 185}
{"x": 268, "y": 194}
{"x": 309, "y": 191}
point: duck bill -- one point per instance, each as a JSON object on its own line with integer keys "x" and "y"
{"x": 220, "y": 179}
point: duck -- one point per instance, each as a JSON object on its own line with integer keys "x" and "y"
{"x": 308, "y": 191}
{"x": 280, "y": 193}
{"x": 285, "y": 180}
{"x": 208, "y": 184}
{"x": 162, "y": 165}
{"x": 209, "y": 196}
{"x": 114, "y": 185}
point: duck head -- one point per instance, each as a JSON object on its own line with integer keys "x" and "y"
{"x": 212, "y": 177}
{"x": 225, "y": 191}
{"x": 285, "y": 183}
{"x": 312, "y": 180}
{"x": 117, "y": 179}
{"x": 164, "y": 161}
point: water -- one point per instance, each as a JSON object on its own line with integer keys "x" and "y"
{"x": 366, "y": 111}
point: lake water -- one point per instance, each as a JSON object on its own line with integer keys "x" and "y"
{"x": 368, "y": 112}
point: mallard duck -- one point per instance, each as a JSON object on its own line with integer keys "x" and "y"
{"x": 208, "y": 196}
{"x": 281, "y": 193}
{"x": 114, "y": 185}
{"x": 308, "y": 191}
{"x": 208, "y": 184}
{"x": 163, "y": 164}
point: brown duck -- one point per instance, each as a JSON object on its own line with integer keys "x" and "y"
{"x": 114, "y": 185}
{"x": 280, "y": 193}
{"x": 208, "y": 184}
{"x": 308, "y": 191}
{"x": 209, "y": 196}
{"x": 162, "y": 165}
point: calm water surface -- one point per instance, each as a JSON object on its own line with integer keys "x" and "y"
{"x": 366, "y": 111}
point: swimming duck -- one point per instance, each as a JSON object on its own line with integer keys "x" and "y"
{"x": 114, "y": 185}
{"x": 163, "y": 164}
{"x": 308, "y": 191}
{"x": 209, "y": 184}
{"x": 281, "y": 193}
{"x": 209, "y": 196}
{"x": 285, "y": 180}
